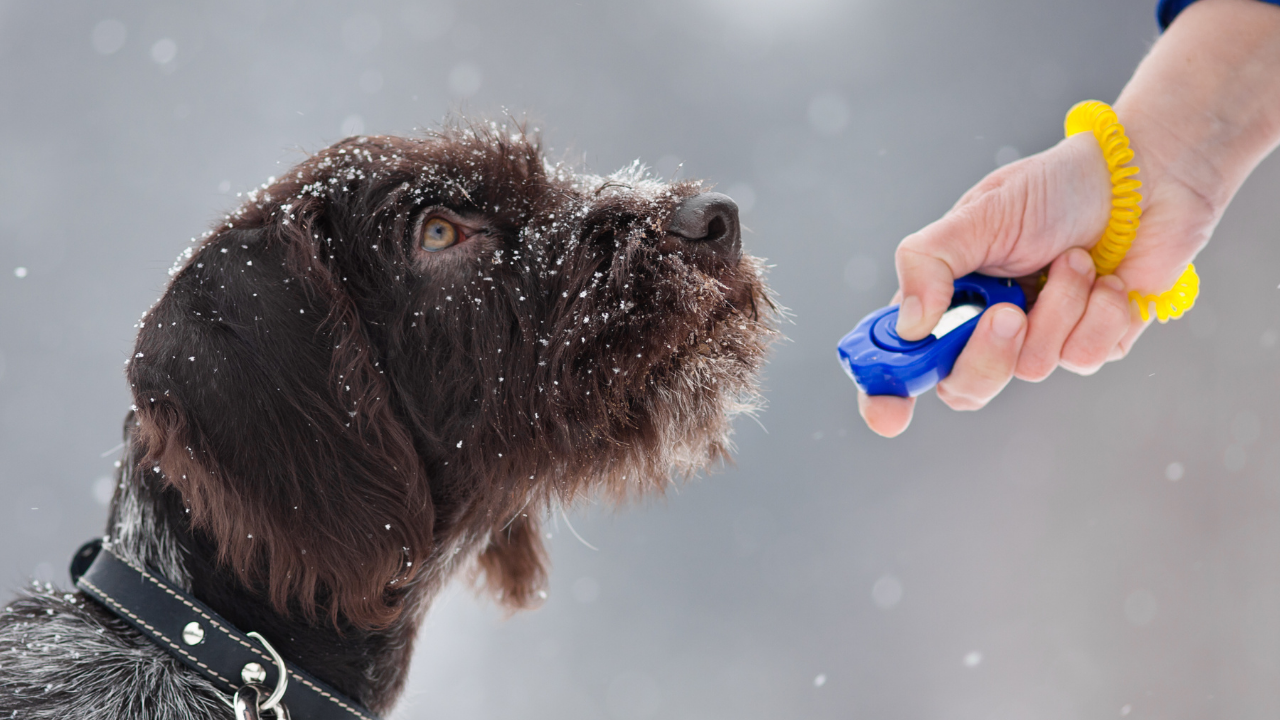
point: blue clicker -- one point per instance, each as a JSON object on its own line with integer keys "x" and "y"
{"x": 881, "y": 363}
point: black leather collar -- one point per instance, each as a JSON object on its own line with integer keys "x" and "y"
{"x": 187, "y": 629}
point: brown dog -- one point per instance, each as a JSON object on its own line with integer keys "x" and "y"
{"x": 386, "y": 364}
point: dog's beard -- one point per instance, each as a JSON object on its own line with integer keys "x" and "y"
{"x": 715, "y": 377}
{"x": 679, "y": 395}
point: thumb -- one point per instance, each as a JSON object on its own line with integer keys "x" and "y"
{"x": 1017, "y": 219}
{"x": 930, "y": 260}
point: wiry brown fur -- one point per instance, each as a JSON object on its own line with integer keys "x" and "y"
{"x": 335, "y": 421}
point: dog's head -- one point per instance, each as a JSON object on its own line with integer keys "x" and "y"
{"x": 401, "y": 352}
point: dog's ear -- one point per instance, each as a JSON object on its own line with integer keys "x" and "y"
{"x": 260, "y": 398}
{"x": 514, "y": 564}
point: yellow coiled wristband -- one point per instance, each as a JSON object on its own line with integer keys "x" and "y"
{"x": 1098, "y": 118}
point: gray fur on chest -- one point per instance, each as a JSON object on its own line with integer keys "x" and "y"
{"x": 62, "y": 657}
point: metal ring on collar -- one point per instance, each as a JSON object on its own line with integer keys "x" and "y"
{"x": 282, "y": 673}
{"x": 244, "y": 704}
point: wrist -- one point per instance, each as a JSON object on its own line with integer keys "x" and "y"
{"x": 1203, "y": 108}
{"x": 1167, "y": 154}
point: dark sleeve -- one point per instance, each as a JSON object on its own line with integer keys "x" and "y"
{"x": 1167, "y": 10}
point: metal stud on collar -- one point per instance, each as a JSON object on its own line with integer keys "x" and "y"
{"x": 193, "y": 634}
{"x": 253, "y": 674}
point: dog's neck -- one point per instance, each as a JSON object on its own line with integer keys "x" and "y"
{"x": 149, "y": 525}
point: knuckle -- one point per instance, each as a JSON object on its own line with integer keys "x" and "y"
{"x": 1070, "y": 287}
{"x": 1034, "y": 369}
{"x": 908, "y": 259}
{"x": 1117, "y": 307}
{"x": 1114, "y": 303}
{"x": 959, "y": 400}
{"x": 969, "y": 405}
{"x": 909, "y": 250}
{"x": 948, "y": 397}
{"x": 959, "y": 404}
{"x": 1041, "y": 352}
{"x": 1079, "y": 365}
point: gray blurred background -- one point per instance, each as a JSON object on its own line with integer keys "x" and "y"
{"x": 1087, "y": 547}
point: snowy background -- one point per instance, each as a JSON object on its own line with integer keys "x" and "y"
{"x": 1087, "y": 547}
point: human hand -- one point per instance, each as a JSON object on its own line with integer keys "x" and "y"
{"x": 1040, "y": 211}
{"x": 1202, "y": 110}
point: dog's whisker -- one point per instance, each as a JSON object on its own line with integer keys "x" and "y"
{"x": 575, "y": 532}
{"x": 751, "y": 413}
{"x": 527, "y": 500}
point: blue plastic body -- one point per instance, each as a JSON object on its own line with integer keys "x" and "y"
{"x": 881, "y": 363}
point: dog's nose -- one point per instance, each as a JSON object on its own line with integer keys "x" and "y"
{"x": 711, "y": 220}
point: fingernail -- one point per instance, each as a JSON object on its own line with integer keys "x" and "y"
{"x": 1113, "y": 282}
{"x": 1079, "y": 261}
{"x": 1007, "y": 323}
{"x": 909, "y": 313}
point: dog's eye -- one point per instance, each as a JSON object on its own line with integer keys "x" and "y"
{"x": 438, "y": 234}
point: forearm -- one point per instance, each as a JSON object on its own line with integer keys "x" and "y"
{"x": 1204, "y": 106}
